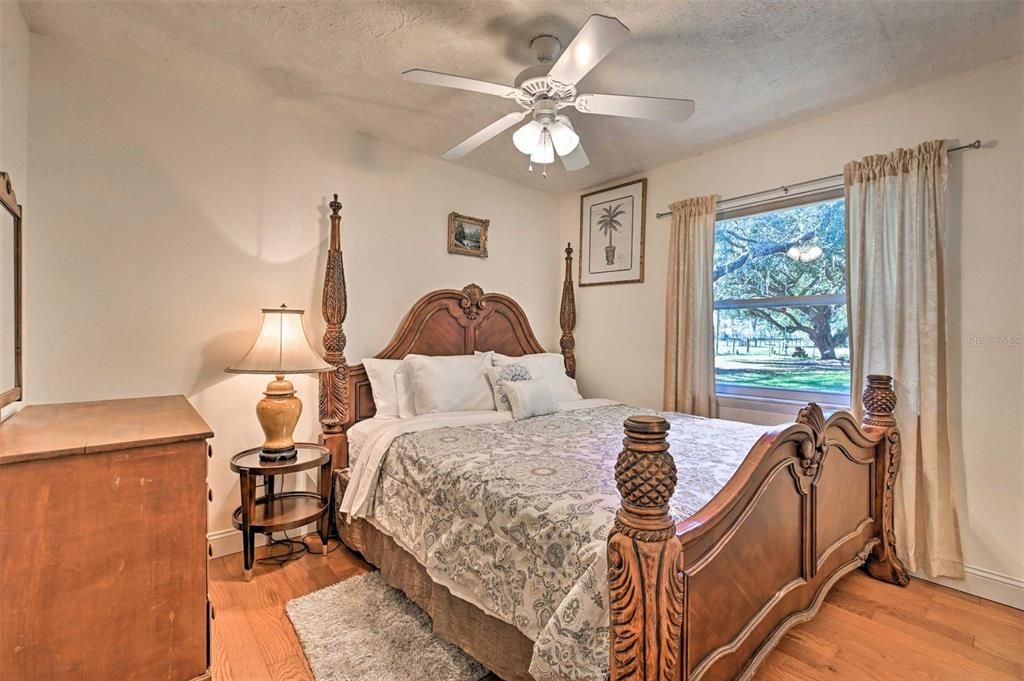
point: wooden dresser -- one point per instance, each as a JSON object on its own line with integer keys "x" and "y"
{"x": 103, "y": 542}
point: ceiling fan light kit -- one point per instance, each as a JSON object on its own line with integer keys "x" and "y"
{"x": 549, "y": 86}
{"x": 543, "y": 154}
{"x": 527, "y": 137}
{"x": 563, "y": 136}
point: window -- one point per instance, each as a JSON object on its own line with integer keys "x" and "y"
{"x": 780, "y": 299}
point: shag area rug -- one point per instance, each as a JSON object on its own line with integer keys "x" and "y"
{"x": 361, "y": 629}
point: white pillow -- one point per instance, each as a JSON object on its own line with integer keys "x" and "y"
{"x": 549, "y": 365}
{"x": 509, "y": 373}
{"x": 406, "y": 394}
{"x": 443, "y": 384}
{"x": 381, "y": 373}
{"x": 530, "y": 398}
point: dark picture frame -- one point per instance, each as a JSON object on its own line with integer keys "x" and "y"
{"x": 11, "y": 208}
{"x": 617, "y": 211}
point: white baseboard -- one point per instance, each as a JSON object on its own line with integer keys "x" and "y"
{"x": 226, "y": 542}
{"x": 994, "y": 586}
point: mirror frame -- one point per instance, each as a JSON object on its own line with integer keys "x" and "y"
{"x": 10, "y": 202}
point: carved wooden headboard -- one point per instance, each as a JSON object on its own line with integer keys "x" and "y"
{"x": 448, "y": 322}
{"x": 443, "y": 322}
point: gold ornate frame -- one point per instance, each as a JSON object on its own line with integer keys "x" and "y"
{"x": 454, "y": 247}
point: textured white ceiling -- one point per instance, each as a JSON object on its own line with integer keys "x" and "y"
{"x": 751, "y": 65}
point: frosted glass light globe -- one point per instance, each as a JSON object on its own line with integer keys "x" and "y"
{"x": 528, "y": 137}
{"x": 563, "y": 137}
{"x": 545, "y": 152}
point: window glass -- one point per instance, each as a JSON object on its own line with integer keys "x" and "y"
{"x": 780, "y": 300}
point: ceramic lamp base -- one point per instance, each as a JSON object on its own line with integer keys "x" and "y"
{"x": 278, "y": 413}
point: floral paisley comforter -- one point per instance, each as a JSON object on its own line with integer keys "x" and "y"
{"x": 513, "y": 516}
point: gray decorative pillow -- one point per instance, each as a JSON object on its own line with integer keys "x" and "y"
{"x": 531, "y": 398}
{"x": 498, "y": 376}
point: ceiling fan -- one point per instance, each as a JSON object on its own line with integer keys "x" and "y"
{"x": 545, "y": 89}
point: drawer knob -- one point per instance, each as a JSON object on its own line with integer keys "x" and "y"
{"x": 209, "y": 494}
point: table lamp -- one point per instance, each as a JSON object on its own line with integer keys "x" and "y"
{"x": 280, "y": 348}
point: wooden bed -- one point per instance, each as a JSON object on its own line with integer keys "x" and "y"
{"x": 707, "y": 597}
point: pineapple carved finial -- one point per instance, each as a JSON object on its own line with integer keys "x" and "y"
{"x": 879, "y": 401}
{"x": 645, "y": 475}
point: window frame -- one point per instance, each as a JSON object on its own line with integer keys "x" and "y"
{"x": 782, "y": 395}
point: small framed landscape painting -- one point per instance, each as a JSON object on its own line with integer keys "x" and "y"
{"x": 467, "y": 236}
{"x": 612, "y": 234}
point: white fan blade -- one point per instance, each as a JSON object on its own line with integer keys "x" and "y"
{"x": 492, "y": 130}
{"x": 653, "y": 108}
{"x": 576, "y": 159}
{"x": 596, "y": 39}
{"x": 448, "y": 80}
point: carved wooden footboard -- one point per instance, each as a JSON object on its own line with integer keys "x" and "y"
{"x": 709, "y": 597}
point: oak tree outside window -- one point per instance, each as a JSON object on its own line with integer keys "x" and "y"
{"x": 780, "y": 299}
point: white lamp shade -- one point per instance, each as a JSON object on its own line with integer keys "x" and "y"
{"x": 563, "y": 137}
{"x": 544, "y": 153}
{"x": 527, "y": 137}
{"x": 281, "y": 347}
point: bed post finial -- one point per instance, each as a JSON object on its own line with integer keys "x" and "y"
{"x": 567, "y": 317}
{"x": 879, "y": 401}
{"x": 334, "y": 384}
{"x": 879, "y": 415}
{"x": 645, "y": 559}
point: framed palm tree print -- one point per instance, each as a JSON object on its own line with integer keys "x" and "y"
{"x": 612, "y": 224}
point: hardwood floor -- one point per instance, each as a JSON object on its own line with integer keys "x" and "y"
{"x": 865, "y": 629}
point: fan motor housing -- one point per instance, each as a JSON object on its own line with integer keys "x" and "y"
{"x": 531, "y": 75}
{"x": 535, "y": 84}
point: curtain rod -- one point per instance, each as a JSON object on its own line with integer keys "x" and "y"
{"x": 976, "y": 144}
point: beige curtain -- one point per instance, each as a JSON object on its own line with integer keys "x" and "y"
{"x": 689, "y": 315}
{"x": 896, "y": 222}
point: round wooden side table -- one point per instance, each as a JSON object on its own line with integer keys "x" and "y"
{"x": 278, "y": 511}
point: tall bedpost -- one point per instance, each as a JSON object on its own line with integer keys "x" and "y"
{"x": 879, "y": 416}
{"x": 567, "y": 316}
{"x": 645, "y": 560}
{"x": 334, "y": 384}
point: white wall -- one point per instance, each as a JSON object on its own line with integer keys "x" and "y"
{"x": 620, "y": 336}
{"x": 14, "y": 74}
{"x": 14, "y": 53}
{"x": 164, "y": 218}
